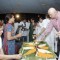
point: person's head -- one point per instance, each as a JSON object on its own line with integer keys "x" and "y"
{"x": 52, "y": 13}
{"x": 47, "y": 16}
{"x": 32, "y": 20}
{"x": 9, "y": 18}
{"x": 2, "y": 21}
{"x": 40, "y": 20}
{"x": 24, "y": 20}
{"x": 1, "y": 28}
{"x": 28, "y": 21}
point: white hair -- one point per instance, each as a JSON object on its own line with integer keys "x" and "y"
{"x": 51, "y": 10}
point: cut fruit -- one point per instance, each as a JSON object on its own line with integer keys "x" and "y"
{"x": 44, "y": 47}
{"x": 30, "y": 52}
{"x": 44, "y": 55}
{"x": 43, "y": 51}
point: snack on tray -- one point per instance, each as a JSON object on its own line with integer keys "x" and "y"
{"x": 29, "y": 52}
{"x": 44, "y": 55}
{"x": 27, "y": 48}
{"x": 43, "y": 51}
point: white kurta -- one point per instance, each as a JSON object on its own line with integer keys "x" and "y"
{"x": 51, "y": 37}
{"x": 0, "y": 43}
{"x": 43, "y": 25}
{"x": 51, "y": 40}
{"x": 37, "y": 30}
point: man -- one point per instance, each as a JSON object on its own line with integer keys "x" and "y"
{"x": 25, "y": 28}
{"x": 51, "y": 37}
{"x": 55, "y": 22}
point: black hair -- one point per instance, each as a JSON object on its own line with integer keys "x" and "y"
{"x": 8, "y": 16}
{"x": 47, "y": 16}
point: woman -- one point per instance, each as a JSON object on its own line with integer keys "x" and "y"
{"x": 2, "y": 56}
{"x": 9, "y": 35}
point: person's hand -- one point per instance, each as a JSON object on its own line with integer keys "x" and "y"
{"x": 19, "y": 35}
{"x": 37, "y": 41}
{"x": 18, "y": 56}
{"x": 35, "y": 36}
{"x": 58, "y": 33}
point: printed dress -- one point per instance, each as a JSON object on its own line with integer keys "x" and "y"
{"x": 9, "y": 45}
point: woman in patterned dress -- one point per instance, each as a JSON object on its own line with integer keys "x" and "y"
{"x": 2, "y": 56}
{"x": 9, "y": 35}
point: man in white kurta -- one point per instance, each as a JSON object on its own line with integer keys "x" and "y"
{"x": 43, "y": 25}
{"x": 51, "y": 37}
{"x": 0, "y": 43}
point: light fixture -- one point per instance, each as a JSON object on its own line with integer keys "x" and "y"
{"x": 17, "y": 16}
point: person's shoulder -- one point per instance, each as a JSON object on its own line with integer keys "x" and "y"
{"x": 58, "y": 11}
{"x": 9, "y": 25}
{"x": 45, "y": 20}
{"x": 59, "y": 14}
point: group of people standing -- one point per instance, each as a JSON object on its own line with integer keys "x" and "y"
{"x": 54, "y": 24}
{"x": 44, "y": 30}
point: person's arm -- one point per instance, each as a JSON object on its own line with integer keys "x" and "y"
{"x": 17, "y": 56}
{"x": 42, "y": 30}
{"x": 44, "y": 25}
{"x": 10, "y": 37}
{"x": 47, "y": 31}
{"x": 9, "y": 34}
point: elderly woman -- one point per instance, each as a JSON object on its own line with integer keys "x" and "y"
{"x": 2, "y": 56}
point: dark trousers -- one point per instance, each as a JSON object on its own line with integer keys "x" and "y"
{"x": 24, "y": 38}
{"x": 58, "y": 46}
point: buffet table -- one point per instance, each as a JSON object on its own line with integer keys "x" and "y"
{"x": 37, "y": 51}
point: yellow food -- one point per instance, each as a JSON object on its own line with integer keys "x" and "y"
{"x": 44, "y": 55}
{"x": 30, "y": 52}
{"x": 31, "y": 45}
{"x": 45, "y": 47}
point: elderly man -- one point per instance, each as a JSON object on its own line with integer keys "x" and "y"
{"x": 55, "y": 22}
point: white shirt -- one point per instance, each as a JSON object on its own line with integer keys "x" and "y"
{"x": 15, "y": 26}
{"x": 0, "y": 43}
{"x": 37, "y": 30}
{"x": 43, "y": 25}
{"x": 25, "y": 33}
{"x": 51, "y": 37}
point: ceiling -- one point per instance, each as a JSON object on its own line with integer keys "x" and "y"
{"x": 27, "y": 6}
